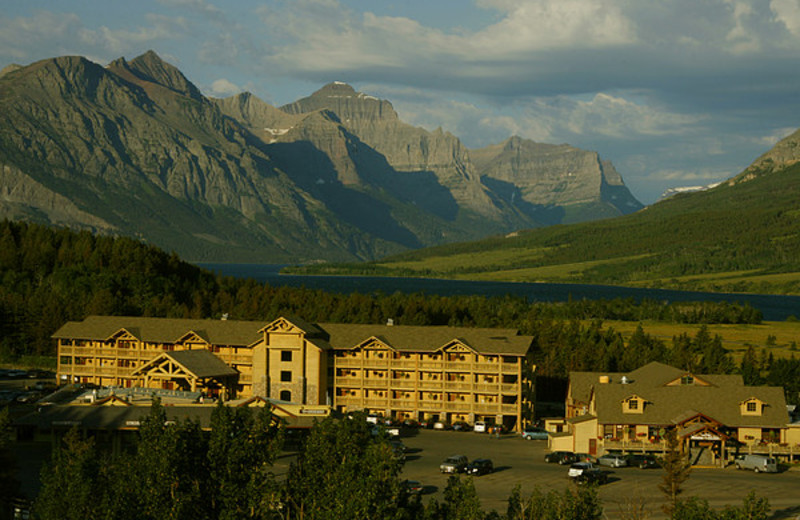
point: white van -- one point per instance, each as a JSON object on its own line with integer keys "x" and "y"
{"x": 479, "y": 427}
{"x": 758, "y": 463}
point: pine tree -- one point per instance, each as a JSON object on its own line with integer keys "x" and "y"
{"x": 676, "y": 472}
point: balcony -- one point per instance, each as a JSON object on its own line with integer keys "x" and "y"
{"x": 409, "y": 364}
{"x": 486, "y": 388}
{"x": 453, "y": 386}
{"x": 236, "y": 358}
{"x": 457, "y": 406}
{"x": 431, "y": 365}
{"x": 486, "y": 367}
{"x": 347, "y": 362}
{"x": 376, "y": 383}
{"x": 349, "y": 382}
{"x": 376, "y": 363}
{"x": 404, "y": 383}
{"x": 347, "y": 400}
{"x": 408, "y": 404}
{"x": 511, "y": 368}
{"x": 430, "y": 385}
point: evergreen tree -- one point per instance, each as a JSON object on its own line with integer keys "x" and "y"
{"x": 243, "y": 445}
{"x": 676, "y": 472}
{"x": 344, "y": 471}
{"x": 9, "y": 486}
{"x": 69, "y": 482}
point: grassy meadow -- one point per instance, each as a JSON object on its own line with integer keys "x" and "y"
{"x": 776, "y": 337}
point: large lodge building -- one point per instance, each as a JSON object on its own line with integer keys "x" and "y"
{"x": 405, "y": 372}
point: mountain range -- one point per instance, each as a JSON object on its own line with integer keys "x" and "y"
{"x": 742, "y": 235}
{"x": 134, "y": 148}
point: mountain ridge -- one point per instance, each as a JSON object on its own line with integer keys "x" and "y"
{"x": 134, "y": 148}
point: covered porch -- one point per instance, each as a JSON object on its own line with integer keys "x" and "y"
{"x": 189, "y": 370}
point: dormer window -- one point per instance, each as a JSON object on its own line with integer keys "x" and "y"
{"x": 688, "y": 379}
{"x": 752, "y": 406}
{"x": 633, "y": 404}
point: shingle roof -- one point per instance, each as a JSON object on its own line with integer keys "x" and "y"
{"x": 671, "y": 404}
{"x": 163, "y": 330}
{"x": 201, "y": 363}
{"x": 324, "y": 335}
{"x": 428, "y": 338}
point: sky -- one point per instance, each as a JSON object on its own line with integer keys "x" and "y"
{"x": 675, "y": 93}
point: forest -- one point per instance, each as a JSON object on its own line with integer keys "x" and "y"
{"x": 49, "y": 276}
{"x": 342, "y": 470}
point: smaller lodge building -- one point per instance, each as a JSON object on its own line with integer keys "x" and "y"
{"x": 420, "y": 373}
{"x": 716, "y": 417}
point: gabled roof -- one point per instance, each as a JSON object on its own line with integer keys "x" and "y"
{"x": 411, "y": 338}
{"x": 674, "y": 404}
{"x": 200, "y": 363}
{"x": 163, "y": 330}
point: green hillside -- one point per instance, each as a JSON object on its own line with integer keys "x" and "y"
{"x": 737, "y": 237}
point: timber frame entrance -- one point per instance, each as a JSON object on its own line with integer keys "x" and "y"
{"x": 192, "y": 370}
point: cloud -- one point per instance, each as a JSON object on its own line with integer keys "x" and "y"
{"x": 224, "y": 88}
{"x": 787, "y": 12}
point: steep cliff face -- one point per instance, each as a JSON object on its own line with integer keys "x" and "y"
{"x": 548, "y": 176}
{"x": 406, "y": 148}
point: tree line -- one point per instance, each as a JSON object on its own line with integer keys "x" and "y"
{"x": 341, "y": 470}
{"x": 49, "y": 276}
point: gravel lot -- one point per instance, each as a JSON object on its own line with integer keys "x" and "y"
{"x": 521, "y": 462}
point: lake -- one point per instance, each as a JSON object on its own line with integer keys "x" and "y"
{"x": 773, "y": 307}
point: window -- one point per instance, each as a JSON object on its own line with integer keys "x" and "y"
{"x": 286, "y": 395}
{"x": 66, "y": 360}
{"x": 286, "y": 375}
{"x": 633, "y": 404}
{"x": 752, "y": 406}
{"x": 687, "y": 380}
{"x": 286, "y": 355}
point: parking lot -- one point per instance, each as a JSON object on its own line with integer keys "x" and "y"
{"x": 521, "y": 462}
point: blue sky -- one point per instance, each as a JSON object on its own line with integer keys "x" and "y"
{"x": 674, "y": 92}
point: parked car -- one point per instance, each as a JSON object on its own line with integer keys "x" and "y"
{"x": 585, "y": 457}
{"x": 412, "y": 487}
{"x": 613, "y": 460}
{"x": 398, "y": 448}
{"x": 454, "y": 464}
{"x": 461, "y": 426}
{"x": 577, "y": 469}
{"x": 592, "y": 476}
{"x": 758, "y": 463}
{"x": 480, "y": 427}
{"x": 480, "y": 467}
{"x": 439, "y": 425}
{"x": 535, "y": 433}
{"x": 560, "y": 457}
{"x": 642, "y": 460}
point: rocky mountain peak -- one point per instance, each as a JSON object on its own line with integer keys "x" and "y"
{"x": 780, "y": 156}
{"x": 9, "y": 68}
{"x": 335, "y": 89}
{"x": 151, "y": 68}
{"x": 352, "y": 107}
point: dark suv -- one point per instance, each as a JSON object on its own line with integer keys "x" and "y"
{"x": 480, "y": 467}
{"x": 561, "y": 457}
{"x": 643, "y": 460}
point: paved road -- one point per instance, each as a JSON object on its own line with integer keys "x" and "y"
{"x": 521, "y": 462}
